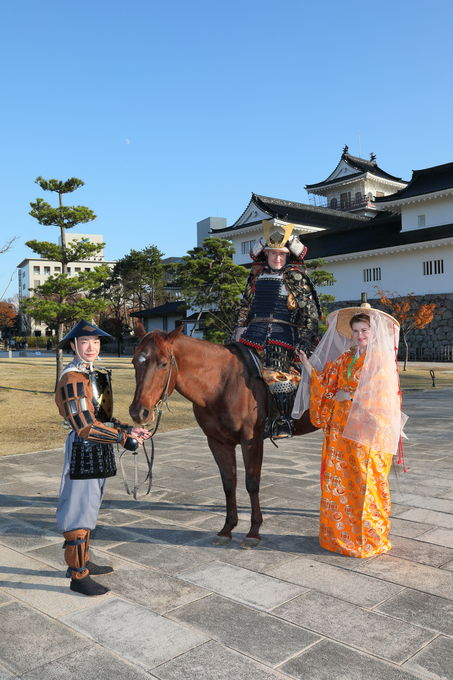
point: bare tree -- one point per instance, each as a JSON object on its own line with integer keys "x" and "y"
{"x": 7, "y": 245}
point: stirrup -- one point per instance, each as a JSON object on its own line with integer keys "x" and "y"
{"x": 282, "y": 428}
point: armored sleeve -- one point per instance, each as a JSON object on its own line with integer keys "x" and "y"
{"x": 74, "y": 400}
{"x": 245, "y": 303}
{"x": 304, "y": 297}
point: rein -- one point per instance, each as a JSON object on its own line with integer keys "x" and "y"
{"x": 157, "y": 410}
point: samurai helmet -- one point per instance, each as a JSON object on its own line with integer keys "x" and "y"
{"x": 278, "y": 235}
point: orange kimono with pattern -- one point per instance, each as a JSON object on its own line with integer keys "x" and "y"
{"x": 355, "y": 497}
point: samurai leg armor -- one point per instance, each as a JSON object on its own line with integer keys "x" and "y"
{"x": 76, "y": 556}
{"x": 76, "y": 553}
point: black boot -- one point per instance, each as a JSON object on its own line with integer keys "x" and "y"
{"x": 282, "y": 426}
{"x": 86, "y": 586}
{"x": 97, "y": 569}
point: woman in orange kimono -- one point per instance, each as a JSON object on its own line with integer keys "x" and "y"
{"x": 355, "y": 399}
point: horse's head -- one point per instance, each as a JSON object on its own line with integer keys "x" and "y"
{"x": 155, "y": 372}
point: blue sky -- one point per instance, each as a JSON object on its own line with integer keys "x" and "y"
{"x": 173, "y": 111}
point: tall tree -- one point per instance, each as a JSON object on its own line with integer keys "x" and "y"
{"x": 63, "y": 299}
{"x": 409, "y": 313}
{"x": 140, "y": 277}
{"x": 211, "y": 283}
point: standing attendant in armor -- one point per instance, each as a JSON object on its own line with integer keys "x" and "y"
{"x": 279, "y": 315}
{"x": 84, "y": 399}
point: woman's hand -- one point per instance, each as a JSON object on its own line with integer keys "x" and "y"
{"x": 305, "y": 362}
{"x": 140, "y": 434}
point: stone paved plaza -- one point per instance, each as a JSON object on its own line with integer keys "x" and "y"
{"x": 181, "y": 608}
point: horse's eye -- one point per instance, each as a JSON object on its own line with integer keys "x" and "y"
{"x": 141, "y": 359}
{"x": 163, "y": 364}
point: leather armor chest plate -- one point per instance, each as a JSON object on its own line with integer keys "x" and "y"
{"x": 101, "y": 386}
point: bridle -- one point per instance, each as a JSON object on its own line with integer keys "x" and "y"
{"x": 163, "y": 401}
{"x": 149, "y": 458}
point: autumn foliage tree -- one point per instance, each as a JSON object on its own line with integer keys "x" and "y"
{"x": 8, "y": 316}
{"x": 409, "y": 313}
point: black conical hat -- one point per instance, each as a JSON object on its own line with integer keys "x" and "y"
{"x": 84, "y": 328}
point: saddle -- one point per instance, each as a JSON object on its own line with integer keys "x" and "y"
{"x": 249, "y": 357}
{"x": 253, "y": 364}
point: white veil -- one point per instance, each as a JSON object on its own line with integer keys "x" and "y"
{"x": 375, "y": 419}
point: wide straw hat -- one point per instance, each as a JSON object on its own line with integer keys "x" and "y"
{"x": 345, "y": 315}
{"x": 83, "y": 328}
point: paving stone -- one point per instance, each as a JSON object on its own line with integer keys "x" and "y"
{"x": 37, "y": 585}
{"x": 6, "y": 675}
{"x": 428, "y": 502}
{"x": 434, "y": 661}
{"x": 167, "y": 558}
{"x": 402, "y": 527}
{"x": 418, "y": 550}
{"x": 368, "y": 631}
{"x": 410, "y": 574}
{"x": 398, "y": 509}
{"x": 134, "y": 632}
{"x": 23, "y": 536}
{"x": 45, "y": 639}
{"x": 4, "y": 597}
{"x": 180, "y": 514}
{"x": 95, "y": 663}
{"x": 329, "y": 660}
{"x": 151, "y": 588}
{"x": 259, "y": 559}
{"x": 118, "y": 516}
{"x": 167, "y": 533}
{"x": 439, "y": 537}
{"x": 428, "y": 611}
{"x": 436, "y": 519}
{"x": 261, "y": 636}
{"x": 242, "y": 585}
{"x": 341, "y": 583}
{"x": 412, "y": 489}
{"x": 211, "y": 661}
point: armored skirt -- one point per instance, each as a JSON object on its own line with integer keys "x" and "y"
{"x": 355, "y": 496}
{"x": 80, "y": 499}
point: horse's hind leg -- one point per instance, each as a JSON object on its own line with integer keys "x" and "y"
{"x": 252, "y": 452}
{"x": 225, "y": 457}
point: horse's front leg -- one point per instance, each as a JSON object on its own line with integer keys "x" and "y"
{"x": 252, "y": 452}
{"x": 225, "y": 457}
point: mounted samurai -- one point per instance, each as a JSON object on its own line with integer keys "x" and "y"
{"x": 279, "y": 315}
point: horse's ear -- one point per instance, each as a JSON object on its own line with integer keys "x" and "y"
{"x": 171, "y": 337}
{"x": 139, "y": 330}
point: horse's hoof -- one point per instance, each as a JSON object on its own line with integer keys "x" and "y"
{"x": 221, "y": 540}
{"x": 248, "y": 543}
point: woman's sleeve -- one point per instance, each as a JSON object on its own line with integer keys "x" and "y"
{"x": 323, "y": 387}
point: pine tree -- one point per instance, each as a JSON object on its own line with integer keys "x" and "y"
{"x": 64, "y": 299}
{"x": 211, "y": 283}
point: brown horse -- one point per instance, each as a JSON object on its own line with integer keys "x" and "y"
{"x": 229, "y": 405}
